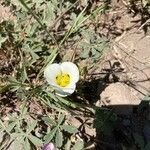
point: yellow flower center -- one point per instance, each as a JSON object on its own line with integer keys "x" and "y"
{"x": 63, "y": 79}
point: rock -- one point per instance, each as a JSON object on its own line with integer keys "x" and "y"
{"x": 119, "y": 94}
{"x": 120, "y": 97}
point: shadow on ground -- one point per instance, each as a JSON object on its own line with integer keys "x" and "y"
{"x": 123, "y": 127}
{"x": 118, "y": 127}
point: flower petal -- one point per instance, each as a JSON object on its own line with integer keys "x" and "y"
{"x": 69, "y": 89}
{"x": 71, "y": 69}
{"x": 63, "y": 92}
{"x": 49, "y": 146}
{"x": 50, "y": 73}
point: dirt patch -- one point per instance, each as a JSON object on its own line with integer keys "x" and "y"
{"x": 129, "y": 60}
{"x": 5, "y": 14}
{"x": 133, "y": 52}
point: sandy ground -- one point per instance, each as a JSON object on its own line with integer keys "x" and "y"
{"x": 5, "y": 13}
{"x": 131, "y": 50}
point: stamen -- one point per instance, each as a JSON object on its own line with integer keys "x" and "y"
{"x": 63, "y": 79}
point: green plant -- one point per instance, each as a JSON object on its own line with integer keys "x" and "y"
{"x": 56, "y": 132}
{"x": 21, "y": 130}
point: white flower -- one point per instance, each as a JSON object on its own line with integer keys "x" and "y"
{"x": 62, "y": 77}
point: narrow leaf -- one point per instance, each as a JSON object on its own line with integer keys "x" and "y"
{"x": 49, "y": 121}
{"x": 26, "y": 145}
{"x": 69, "y": 128}
{"x": 50, "y": 135}
{"x": 59, "y": 138}
{"x": 61, "y": 119}
{"x": 68, "y": 145}
{"x": 36, "y": 141}
{"x": 31, "y": 125}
